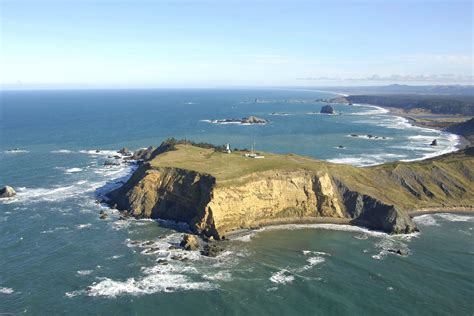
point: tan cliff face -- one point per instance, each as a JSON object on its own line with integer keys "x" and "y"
{"x": 166, "y": 193}
{"x": 270, "y": 196}
{"x": 214, "y": 205}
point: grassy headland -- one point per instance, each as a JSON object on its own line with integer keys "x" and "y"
{"x": 217, "y": 193}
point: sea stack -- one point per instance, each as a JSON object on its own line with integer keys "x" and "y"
{"x": 7, "y": 192}
{"x": 327, "y": 109}
{"x": 189, "y": 242}
{"x": 124, "y": 151}
{"x": 434, "y": 142}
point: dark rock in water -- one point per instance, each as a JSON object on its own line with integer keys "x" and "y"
{"x": 111, "y": 163}
{"x": 97, "y": 151}
{"x": 354, "y": 135}
{"x": 123, "y": 216}
{"x": 103, "y": 215}
{"x": 117, "y": 157}
{"x": 341, "y": 147}
{"x": 124, "y": 151}
{"x": 434, "y": 142}
{"x": 212, "y": 249}
{"x": 7, "y": 192}
{"x": 189, "y": 242}
{"x": 163, "y": 262}
{"x": 172, "y": 247}
{"x": 327, "y": 109}
{"x": 400, "y": 252}
{"x": 179, "y": 258}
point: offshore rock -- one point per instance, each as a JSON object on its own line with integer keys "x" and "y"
{"x": 189, "y": 242}
{"x": 253, "y": 120}
{"x": 212, "y": 249}
{"x": 327, "y": 109}
{"x": 124, "y": 151}
{"x": 7, "y": 192}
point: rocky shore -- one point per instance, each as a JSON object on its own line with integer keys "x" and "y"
{"x": 461, "y": 125}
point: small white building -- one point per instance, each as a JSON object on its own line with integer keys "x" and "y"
{"x": 227, "y": 148}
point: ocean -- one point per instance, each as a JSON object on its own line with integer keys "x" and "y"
{"x": 58, "y": 257}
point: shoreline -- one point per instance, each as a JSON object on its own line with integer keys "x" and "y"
{"x": 411, "y": 117}
{"x": 461, "y": 143}
{"x": 461, "y": 210}
{"x": 289, "y": 221}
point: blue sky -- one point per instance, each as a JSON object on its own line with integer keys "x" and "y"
{"x": 225, "y": 43}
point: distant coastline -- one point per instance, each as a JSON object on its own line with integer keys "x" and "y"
{"x": 419, "y": 118}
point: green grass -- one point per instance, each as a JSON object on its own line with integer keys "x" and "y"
{"x": 383, "y": 181}
{"x": 225, "y": 167}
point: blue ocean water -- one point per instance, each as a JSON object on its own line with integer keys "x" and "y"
{"x": 56, "y": 256}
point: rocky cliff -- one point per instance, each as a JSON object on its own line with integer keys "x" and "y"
{"x": 216, "y": 193}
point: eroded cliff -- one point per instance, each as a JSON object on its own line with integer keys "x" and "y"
{"x": 216, "y": 193}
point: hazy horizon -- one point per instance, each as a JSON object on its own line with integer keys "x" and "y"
{"x": 203, "y": 44}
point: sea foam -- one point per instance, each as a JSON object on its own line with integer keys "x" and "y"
{"x": 73, "y": 170}
{"x": 282, "y": 277}
{"x": 6, "y": 290}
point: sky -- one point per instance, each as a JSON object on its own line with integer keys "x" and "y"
{"x": 213, "y": 43}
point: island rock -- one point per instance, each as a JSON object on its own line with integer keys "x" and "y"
{"x": 327, "y": 109}
{"x": 253, "y": 120}
{"x": 7, "y": 192}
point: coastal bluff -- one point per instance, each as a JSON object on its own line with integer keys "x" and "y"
{"x": 217, "y": 193}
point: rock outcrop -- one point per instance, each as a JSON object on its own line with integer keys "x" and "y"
{"x": 253, "y": 120}
{"x": 214, "y": 204}
{"x": 124, "y": 151}
{"x": 189, "y": 242}
{"x": 144, "y": 154}
{"x": 246, "y": 120}
{"x": 343, "y": 100}
{"x": 327, "y": 109}
{"x": 7, "y": 192}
